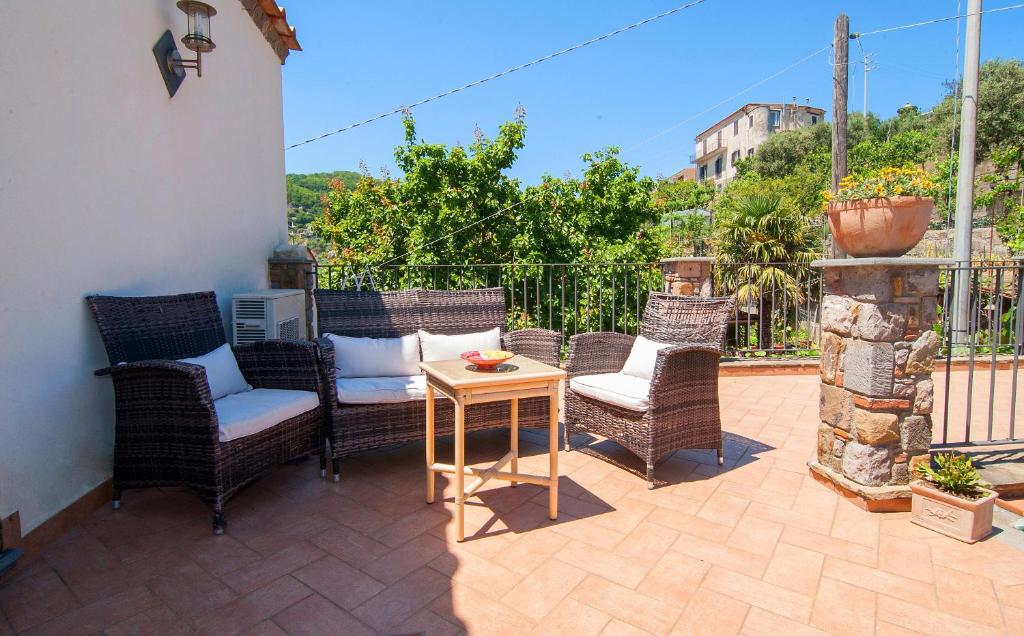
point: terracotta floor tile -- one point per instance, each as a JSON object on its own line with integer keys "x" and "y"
{"x": 158, "y": 620}
{"x": 339, "y": 582}
{"x": 615, "y": 627}
{"x": 674, "y": 578}
{"x": 264, "y": 628}
{"x": 968, "y": 596}
{"x": 391, "y": 607}
{"x": 478, "y": 614}
{"x": 315, "y": 615}
{"x": 429, "y": 624}
{"x": 711, "y": 614}
{"x": 647, "y": 544}
{"x": 885, "y": 583}
{"x": 724, "y": 508}
{"x": 35, "y": 598}
{"x": 1014, "y": 618}
{"x": 855, "y": 525}
{"x": 755, "y": 535}
{"x": 761, "y": 622}
{"x": 605, "y": 563}
{"x": 252, "y": 608}
{"x": 595, "y": 535}
{"x": 271, "y": 568}
{"x": 99, "y": 615}
{"x": 1011, "y": 595}
{"x": 760, "y": 593}
{"x": 888, "y": 629}
{"x": 406, "y": 558}
{"x": 842, "y": 608}
{"x": 828, "y": 545}
{"x": 627, "y": 605}
{"x": 191, "y": 591}
{"x": 722, "y": 555}
{"x": 220, "y": 555}
{"x": 480, "y": 573}
{"x": 410, "y": 526}
{"x": 690, "y": 525}
{"x": 572, "y": 617}
{"x": 928, "y": 619}
{"x": 907, "y": 558}
{"x": 542, "y": 590}
{"x": 795, "y": 568}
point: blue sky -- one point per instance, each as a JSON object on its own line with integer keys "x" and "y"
{"x": 364, "y": 58}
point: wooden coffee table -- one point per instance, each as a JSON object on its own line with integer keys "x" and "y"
{"x": 460, "y": 382}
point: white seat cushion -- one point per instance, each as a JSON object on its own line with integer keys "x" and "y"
{"x": 243, "y": 414}
{"x": 382, "y": 390}
{"x": 627, "y": 391}
{"x": 439, "y": 346}
{"x": 372, "y": 357}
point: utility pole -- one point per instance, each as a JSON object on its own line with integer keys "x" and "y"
{"x": 965, "y": 176}
{"x": 840, "y": 90}
{"x": 869, "y": 59}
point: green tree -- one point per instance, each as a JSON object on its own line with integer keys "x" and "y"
{"x": 682, "y": 230}
{"x": 1000, "y": 109}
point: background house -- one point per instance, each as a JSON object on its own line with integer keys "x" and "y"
{"x": 107, "y": 185}
{"x": 738, "y": 135}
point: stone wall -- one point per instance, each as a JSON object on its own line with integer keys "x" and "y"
{"x": 877, "y": 355}
{"x": 687, "y": 275}
{"x": 293, "y": 267}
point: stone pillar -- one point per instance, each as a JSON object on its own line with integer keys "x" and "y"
{"x": 294, "y": 267}
{"x": 877, "y": 355}
{"x": 687, "y": 275}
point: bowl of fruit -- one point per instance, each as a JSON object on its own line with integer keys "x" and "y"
{"x": 487, "y": 360}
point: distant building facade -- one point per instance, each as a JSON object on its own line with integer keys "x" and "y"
{"x": 738, "y": 135}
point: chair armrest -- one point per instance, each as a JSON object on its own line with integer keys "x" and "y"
{"x": 281, "y": 364}
{"x": 543, "y": 345}
{"x": 684, "y": 376}
{"x": 599, "y": 352}
{"x": 150, "y": 393}
{"x": 328, "y": 373}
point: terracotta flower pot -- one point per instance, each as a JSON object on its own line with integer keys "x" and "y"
{"x": 879, "y": 227}
{"x": 964, "y": 519}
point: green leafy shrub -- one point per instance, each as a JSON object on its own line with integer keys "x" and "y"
{"x": 956, "y": 475}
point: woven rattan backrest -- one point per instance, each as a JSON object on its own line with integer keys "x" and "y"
{"x": 687, "y": 319}
{"x": 158, "y": 327}
{"x": 393, "y": 314}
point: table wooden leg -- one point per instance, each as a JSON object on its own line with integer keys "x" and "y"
{"x": 460, "y": 473}
{"x": 514, "y": 407}
{"x": 430, "y": 444}
{"x": 553, "y": 453}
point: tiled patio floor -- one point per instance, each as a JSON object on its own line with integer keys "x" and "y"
{"x": 755, "y": 547}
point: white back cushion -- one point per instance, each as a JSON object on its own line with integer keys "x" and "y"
{"x": 405, "y": 388}
{"x": 642, "y": 357}
{"x": 222, "y": 371}
{"x": 443, "y": 347}
{"x": 376, "y": 357}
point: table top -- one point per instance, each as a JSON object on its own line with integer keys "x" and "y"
{"x": 454, "y": 373}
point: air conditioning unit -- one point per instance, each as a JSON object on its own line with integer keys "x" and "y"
{"x": 272, "y": 314}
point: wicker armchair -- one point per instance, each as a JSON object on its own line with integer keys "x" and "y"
{"x": 683, "y": 394}
{"x": 354, "y": 428}
{"x": 166, "y": 431}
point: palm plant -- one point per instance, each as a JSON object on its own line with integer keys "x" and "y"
{"x": 759, "y": 236}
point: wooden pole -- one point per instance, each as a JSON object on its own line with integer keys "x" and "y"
{"x": 840, "y": 91}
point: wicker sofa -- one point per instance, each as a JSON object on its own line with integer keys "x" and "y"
{"x": 354, "y": 428}
{"x": 167, "y": 431}
{"x": 678, "y": 407}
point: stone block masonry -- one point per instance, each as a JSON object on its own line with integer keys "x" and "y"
{"x": 687, "y": 275}
{"x": 877, "y": 356}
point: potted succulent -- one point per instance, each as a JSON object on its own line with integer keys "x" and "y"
{"x": 883, "y": 213}
{"x": 952, "y": 500}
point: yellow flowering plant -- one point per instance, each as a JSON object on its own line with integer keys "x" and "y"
{"x": 887, "y": 182}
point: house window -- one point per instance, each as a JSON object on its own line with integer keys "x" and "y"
{"x": 750, "y": 152}
{"x": 734, "y": 158}
{"x": 718, "y": 167}
{"x": 750, "y": 121}
{"x": 814, "y": 119}
{"x": 736, "y": 127}
{"x": 702, "y": 172}
{"x": 774, "y": 118}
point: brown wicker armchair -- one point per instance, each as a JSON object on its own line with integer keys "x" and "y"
{"x": 354, "y": 428}
{"x": 683, "y": 392}
{"x": 166, "y": 431}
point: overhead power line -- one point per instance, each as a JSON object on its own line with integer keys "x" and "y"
{"x": 935, "y": 21}
{"x": 508, "y": 71}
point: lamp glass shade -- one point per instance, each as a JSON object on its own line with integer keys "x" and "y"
{"x": 198, "y": 37}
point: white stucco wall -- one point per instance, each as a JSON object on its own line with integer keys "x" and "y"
{"x": 107, "y": 185}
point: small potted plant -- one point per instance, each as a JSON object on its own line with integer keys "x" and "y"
{"x": 883, "y": 213}
{"x": 952, "y": 500}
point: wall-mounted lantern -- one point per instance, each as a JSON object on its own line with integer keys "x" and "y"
{"x": 172, "y": 66}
